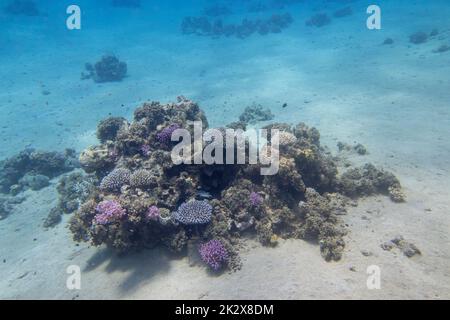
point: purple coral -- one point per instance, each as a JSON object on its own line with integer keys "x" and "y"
{"x": 145, "y": 149}
{"x": 153, "y": 213}
{"x": 108, "y": 211}
{"x": 194, "y": 212}
{"x": 214, "y": 254}
{"x": 256, "y": 199}
{"x": 165, "y": 135}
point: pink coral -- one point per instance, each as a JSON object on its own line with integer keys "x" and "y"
{"x": 108, "y": 211}
{"x": 153, "y": 213}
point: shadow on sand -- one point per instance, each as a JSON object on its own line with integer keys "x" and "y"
{"x": 138, "y": 268}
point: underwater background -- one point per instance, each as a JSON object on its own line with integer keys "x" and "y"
{"x": 385, "y": 89}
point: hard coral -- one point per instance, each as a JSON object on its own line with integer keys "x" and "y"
{"x": 115, "y": 180}
{"x": 142, "y": 178}
{"x": 108, "y": 69}
{"x": 165, "y": 135}
{"x": 107, "y": 129}
{"x": 108, "y": 211}
{"x": 214, "y": 254}
{"x": 304, "y": 200}
{"x": 194, "y": 212}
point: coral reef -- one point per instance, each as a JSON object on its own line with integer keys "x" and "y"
{"x": 217, "y": 28}
{"x": 116, "y": 179}
{"x": 108, "y": 128}
{"x": 145, "y": 200}
{"x": 73, "y": 190}
{"x": 256, "y": 199}
{"x": 369, "y": 180}
{"x": 33, "y": 169}
{"x": 22, "y": 7}
{"x": 194, "y": 212}
{"x": 33, "y": 181}
{"x": 108, "y": 211}
{"x": 165, "y": 135}
{"x": 108, "y": 69}
{"x": 254, "y": 114}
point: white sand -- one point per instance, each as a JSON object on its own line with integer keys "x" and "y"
{"x": 394, "y": 100}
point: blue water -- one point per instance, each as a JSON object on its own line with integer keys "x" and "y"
{"x": 338, "y": 77}
{"x": 163, "y": 63}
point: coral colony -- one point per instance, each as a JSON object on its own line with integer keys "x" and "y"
{"x": 153, "y": 213}
{"x": 255, "y": 199}
{"x": 164, "y": 137}
{"x": 194, "y": 212}
{"x": 214, "y": 254}
{"x": 108, "y": 211}
{"x": 148, "y": 200}
{"x": 108, "y": 69}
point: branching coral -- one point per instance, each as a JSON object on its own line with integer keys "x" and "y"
{"x": 214, "y": 254}
{"x": 108, "y": 211}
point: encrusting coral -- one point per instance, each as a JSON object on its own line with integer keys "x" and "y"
{"x": 145, "y": 199}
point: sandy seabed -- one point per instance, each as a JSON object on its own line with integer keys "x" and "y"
{"x": 393, "y": 99}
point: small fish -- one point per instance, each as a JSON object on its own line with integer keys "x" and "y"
{"x": 204, "y": 194}
{"x": 284, "y": 105}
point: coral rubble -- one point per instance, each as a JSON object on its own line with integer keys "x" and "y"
{"x": 146, "y": 199}
{"x": 407, "y": 248}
